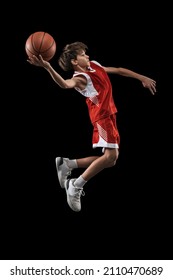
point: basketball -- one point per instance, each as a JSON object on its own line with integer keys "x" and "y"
{"x": 41, "y": 43}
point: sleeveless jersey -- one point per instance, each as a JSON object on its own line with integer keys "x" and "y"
{"x": 98, "y": 92}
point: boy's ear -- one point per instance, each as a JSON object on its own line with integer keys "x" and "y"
{"x": 74, "y": 62}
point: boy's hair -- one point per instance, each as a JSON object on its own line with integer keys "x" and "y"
{"x": 70, "y": 51}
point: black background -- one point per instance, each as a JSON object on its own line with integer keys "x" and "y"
{"x": 126, "y": 210}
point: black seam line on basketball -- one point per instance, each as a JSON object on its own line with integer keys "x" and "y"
{"x": 42, "y": 42}
{"x": 32, "y": 42}
{"x": 29, "y": 51}
{"x": 42, "y": 52}
{"x": 48, "y": 48}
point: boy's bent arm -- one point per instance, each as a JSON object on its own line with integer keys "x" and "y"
{"x": 66, "y": 84}
{"x": 39, "y": 61}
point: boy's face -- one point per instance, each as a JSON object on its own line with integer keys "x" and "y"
{"x": 83, "y": 59}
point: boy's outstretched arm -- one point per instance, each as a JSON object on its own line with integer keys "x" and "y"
{"x": 146, "y": 81}
{"x": 39, "y": 61}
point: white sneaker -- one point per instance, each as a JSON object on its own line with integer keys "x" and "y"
{"x": 73, "y": 195}
{"x": 63, "y": 171}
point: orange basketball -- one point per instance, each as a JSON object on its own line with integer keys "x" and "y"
{"x": 41, "y": 43}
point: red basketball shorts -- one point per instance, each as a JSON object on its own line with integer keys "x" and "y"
{"x": 105, "y": 133}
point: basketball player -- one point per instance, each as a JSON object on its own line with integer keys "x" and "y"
{"x": 91, "y": 80}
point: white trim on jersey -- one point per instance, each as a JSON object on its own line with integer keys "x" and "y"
{"x": 89, "y": 90}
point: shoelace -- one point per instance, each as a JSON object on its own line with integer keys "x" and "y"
{"x": 79, "y": 192}
{"x": 69, "y": 173}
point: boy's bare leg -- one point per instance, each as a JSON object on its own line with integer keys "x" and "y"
{"x": 94, "y": 165}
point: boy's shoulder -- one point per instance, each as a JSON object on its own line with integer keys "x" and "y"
{"x": 95, "y": 62}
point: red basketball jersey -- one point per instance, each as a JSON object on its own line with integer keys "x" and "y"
{"x": 98, "y": 92}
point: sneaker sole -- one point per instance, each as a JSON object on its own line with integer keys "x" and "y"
{"x": 68, "y": 200}
{"x": 58, "y": 162}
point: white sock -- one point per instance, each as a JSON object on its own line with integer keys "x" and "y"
{"x": 71, "y": 163}
{"x": 80, "y": 182}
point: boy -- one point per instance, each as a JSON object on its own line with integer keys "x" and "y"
{"x": 91, "y": 80}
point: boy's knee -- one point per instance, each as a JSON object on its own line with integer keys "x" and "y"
{"x": 111, "y": 159}
{"x": 113, "y": 162}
